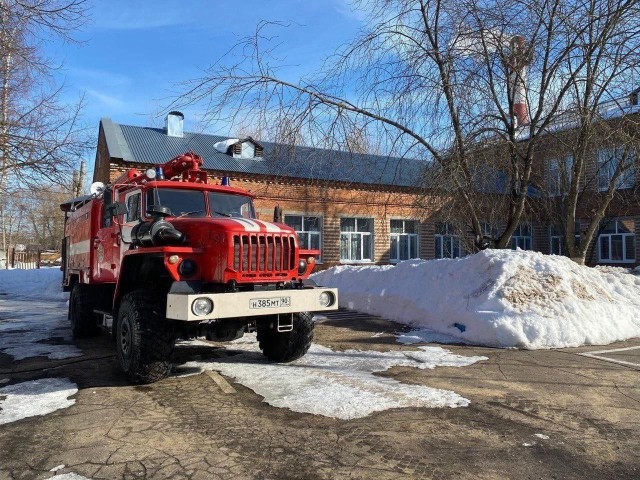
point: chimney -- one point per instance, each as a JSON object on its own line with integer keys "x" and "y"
{"x": 518, "y": 79}
{"x": 175, "y": 124}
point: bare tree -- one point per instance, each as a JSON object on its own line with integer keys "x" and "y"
{"x": 595, "y": 141}
{"x": 472, "y": 87}
{"x": 40, "y": 137}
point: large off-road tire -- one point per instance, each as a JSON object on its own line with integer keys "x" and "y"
{"x": 81, "y": 305}
{"x": 144, "y": 337}
{"x": 286, "y": 346}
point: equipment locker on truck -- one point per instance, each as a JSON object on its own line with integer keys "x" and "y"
{"x": 163, "y": 254}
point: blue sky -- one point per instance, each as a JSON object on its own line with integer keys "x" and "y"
{"x": 132, "y": 55}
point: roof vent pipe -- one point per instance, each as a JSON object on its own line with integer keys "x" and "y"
{"x": 175, "y": 124}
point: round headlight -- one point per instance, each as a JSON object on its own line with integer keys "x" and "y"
{"x": 202, "y": 306}
{"x": 302, "y": 266}
{"x": 187, "y": 268}
{"x": 326, "y": 299}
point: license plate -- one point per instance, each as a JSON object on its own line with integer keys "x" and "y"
{"x": 270, "y": 302}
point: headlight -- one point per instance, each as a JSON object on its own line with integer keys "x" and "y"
{"x": 187, "y": 268}
{"x": 202, "y": 306}
{"x": 302, "y": 266}
{"x": 326, "y": 299}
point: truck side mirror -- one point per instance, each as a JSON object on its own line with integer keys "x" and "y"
{"x": 107, "y": 196}
{"x": 116, "y": 208}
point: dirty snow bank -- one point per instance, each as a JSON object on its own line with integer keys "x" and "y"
{"x": 43, "y": 283}
{"x": 498, "y": 298}
{"x": 34, "y": 398}
{"x": 338, "y": 384}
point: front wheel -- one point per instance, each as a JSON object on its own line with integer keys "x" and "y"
{"x": 286, "y": 346}
{"x": 144, "y": 337}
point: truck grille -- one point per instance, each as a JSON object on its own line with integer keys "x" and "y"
{"x": 263, "y": 255}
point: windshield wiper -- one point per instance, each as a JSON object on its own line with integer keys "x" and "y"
{"x": 190, "y": 213}
{"x": 223, "y": 214}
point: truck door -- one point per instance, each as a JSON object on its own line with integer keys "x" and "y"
{"x": 106, "y": 244}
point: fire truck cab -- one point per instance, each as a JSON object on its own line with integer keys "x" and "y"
{"x": 163, "y": 254}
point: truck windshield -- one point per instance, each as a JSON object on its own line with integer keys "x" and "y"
{"x": 186, "y": 203}
{"x": 227, "y": 205}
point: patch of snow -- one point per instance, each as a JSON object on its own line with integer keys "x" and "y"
{"x": 338, "y": 384}
{"x": 225, "y": 144}
{"x": 33, "y": 315}
{"x": 424, "y": 335}
{"x": 42, "y": 283}
{"x": 541, "y": 435}
{"x": 529, "y": 444}
{"x": 28, "y": 326}
{"x": 69, "y": 476}
{"x": 35, "y": 398}
{"x": 59, "y": 467}
{"x": 498, "y": 298}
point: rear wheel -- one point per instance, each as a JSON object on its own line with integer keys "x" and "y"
{"x": 144, "y": 337}
{"x": 286, "y": 346}
{"x": 83, "y": 321}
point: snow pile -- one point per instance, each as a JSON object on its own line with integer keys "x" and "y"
{"x": 498, "y": 298}
{"x": 34, "y": 398}
{"x": 42, "y": 283}
{"x": 338, "y": 384}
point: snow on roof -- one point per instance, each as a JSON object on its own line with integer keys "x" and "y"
{"x": 224, "y": 145}
{"x": 566, "y": 120}
{"x": 498, "y": 298}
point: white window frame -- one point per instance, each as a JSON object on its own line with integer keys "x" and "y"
{"x": 395, "y": 257}
{"x": 518, "y": 238}
{"x": 607, "y": 159}
{"x": 350, "y": 235}
{"x": 559, "y": 175}
{"x": 448, "y": 237}
{"x": 558, "y": 237}
{"x": 608, "y": 237}
{"x": 308, "y": 233}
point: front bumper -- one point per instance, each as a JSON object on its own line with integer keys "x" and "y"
{"x": 250, "y": 304}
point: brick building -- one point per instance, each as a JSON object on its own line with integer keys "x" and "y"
{"x": 360, "y": 208}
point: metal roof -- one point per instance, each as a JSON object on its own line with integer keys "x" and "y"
{"x": 152, "y": 145}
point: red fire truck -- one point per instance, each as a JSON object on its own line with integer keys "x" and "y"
{"x": 163, "y": 254}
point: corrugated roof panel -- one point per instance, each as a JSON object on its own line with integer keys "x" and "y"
{"x": 152, "y": 145}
